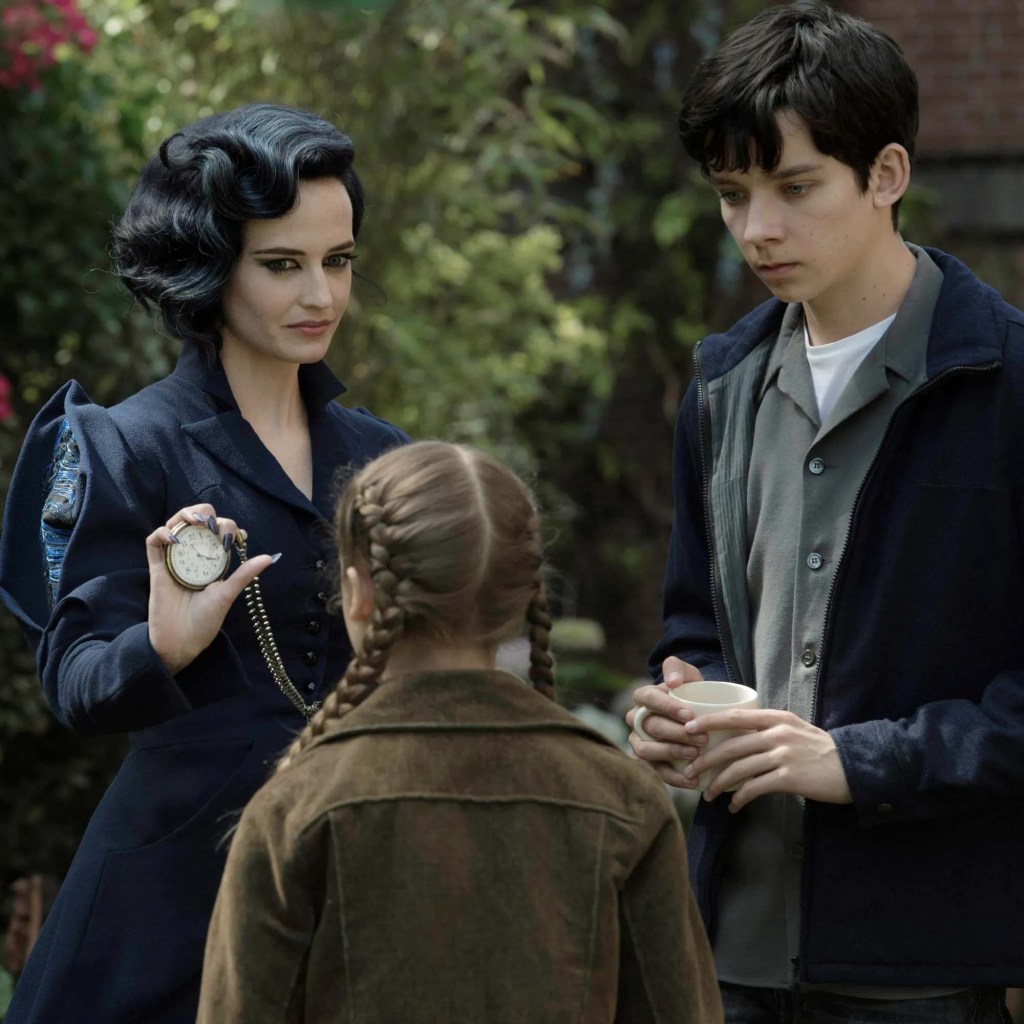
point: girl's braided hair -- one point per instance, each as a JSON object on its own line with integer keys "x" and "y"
{"x": 451, "y": 541}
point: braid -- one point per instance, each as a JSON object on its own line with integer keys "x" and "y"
{"x": 386, "y": 625}
{"x": 541, "y": 663}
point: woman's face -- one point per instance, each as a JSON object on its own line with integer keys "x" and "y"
{"x": 291, "y": 284}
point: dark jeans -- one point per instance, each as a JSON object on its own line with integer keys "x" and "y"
{"x": 745, "y": 1005}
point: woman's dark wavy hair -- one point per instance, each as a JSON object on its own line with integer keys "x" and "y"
{"x": 181, "y": 235}
{"x": 846, "y": 79}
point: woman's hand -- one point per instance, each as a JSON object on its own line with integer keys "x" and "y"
{"x": 182, "y": 622}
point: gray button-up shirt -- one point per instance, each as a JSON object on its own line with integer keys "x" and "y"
{"x": 804, "y": 478}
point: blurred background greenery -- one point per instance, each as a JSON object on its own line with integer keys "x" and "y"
{"x": 540, "y": 260}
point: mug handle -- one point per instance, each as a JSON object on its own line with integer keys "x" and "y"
{"x": 638, "y": 724}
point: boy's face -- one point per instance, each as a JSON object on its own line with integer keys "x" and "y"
{"x": 806, "y": 228}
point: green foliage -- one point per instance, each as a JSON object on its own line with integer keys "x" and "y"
{"x": 6, "y": 991}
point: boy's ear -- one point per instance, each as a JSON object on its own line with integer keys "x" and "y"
{"x": 890, "y": 175}
{"x": 359, "y": 594}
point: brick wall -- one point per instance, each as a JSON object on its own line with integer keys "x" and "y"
{"x": 968, "y": 58}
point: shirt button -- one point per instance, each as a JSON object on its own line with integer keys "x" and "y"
{"x": 311, "y": 657}
{"x": 321, "y": 598}
{"x": 321, "y": 565}
{"x": 313, "y": 627}
{"x": 809, "y": 658}
{"x": 816, "y": 466}
{"x": 814, "y": 560}
{"x": 311, "y": 687}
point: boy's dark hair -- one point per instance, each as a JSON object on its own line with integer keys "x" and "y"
{"x": 846, "y": 79}
{"x": 181, "y": 235}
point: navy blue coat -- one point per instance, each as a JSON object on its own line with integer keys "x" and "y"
{"x": 920, "y": 671}
{"x": 124, "y": 940}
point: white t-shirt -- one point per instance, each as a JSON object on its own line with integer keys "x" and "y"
{"x": 833, "y": 365}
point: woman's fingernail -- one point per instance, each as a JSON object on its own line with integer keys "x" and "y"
{"x": 229, "y": 539}
{"x": 211, "y": 522}
{"x": 173, "y": 539}
{"x": 274, "y": 558}
{"x": 689, "y": 772}
{"x": 199, "y": 517}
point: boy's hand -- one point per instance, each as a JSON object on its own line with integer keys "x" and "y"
{"x": 781, "y": 754}
{"x": 664, "y": 722}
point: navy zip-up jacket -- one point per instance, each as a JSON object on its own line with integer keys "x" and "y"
{"x": 920, "y": 881}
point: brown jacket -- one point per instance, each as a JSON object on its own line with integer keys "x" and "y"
{"x": 458, "y": 849}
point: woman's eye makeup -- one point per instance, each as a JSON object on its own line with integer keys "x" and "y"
{"x": 278, "y": 265}
{"x": 336, "y": 261}
{"x": 340, "y": 259}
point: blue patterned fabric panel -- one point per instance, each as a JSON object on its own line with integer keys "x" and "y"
{"x": 60, "y": 508}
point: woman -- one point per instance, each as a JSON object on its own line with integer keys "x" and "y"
{"x": 241, "y": 233}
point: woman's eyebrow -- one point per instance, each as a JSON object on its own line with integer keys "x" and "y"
{"x": 282, "y": 250}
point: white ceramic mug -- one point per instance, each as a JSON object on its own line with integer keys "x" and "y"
{"x": 701, "y": 697}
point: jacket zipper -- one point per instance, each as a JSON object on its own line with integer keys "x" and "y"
{"x": 705, "y": 461}
{"x": 982, "y": 368}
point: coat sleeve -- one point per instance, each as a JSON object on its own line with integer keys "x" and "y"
{"x": 949, "y": 757}
{"x": 690, "y": 631}
{"x": 263, "y": 920}
{"x": 666, "y": 972}
{"x": 81, "y": 591}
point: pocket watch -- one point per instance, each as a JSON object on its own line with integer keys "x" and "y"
{"x": 198, "y": 559}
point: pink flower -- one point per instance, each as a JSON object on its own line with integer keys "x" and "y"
{"x": 6, "y": 412}
{"x": 31, "y": 31}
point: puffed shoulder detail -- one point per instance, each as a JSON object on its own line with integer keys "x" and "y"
{"x": 60, "y": 507}
{"x": 71, "y": 446}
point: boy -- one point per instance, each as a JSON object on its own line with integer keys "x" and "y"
{"x": 847, "y": 539}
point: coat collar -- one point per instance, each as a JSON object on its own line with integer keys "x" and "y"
{"x": 969, "y": 327}
{"x": 476, "y": 700}
{"x": 220, "y": 429}
{"x": 318, "y": 384}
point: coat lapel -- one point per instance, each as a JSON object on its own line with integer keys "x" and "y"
{"x": 229, "y": 439}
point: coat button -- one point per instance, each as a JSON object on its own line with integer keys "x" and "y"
{"x": 311, "y": 687}
{"x": 885, "y": 808}
{"x": 313, "y": 627}
{"x": 809, "y": 657}
{"x": 311, "y": 657}
{"x": 321, "y": 598}
{"x": 816, "y": 466}
{"x": 321, "y": 565}
{"x": 814, "y": 560}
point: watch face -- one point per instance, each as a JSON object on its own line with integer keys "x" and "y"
{"x": 198, "y": 558}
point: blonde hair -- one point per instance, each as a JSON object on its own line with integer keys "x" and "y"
{"x": 451, "y": 540}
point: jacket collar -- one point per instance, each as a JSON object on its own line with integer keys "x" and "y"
{"x": 969, "y": 327}
{"x": 222, "y": 432}
{"x": 316, "y": 381}
{"x": 474, "y": 700}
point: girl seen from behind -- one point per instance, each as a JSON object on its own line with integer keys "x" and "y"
{"x": 443, "y": 842}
